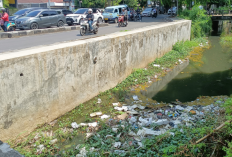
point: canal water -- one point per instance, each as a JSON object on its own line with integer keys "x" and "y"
{"x": 212, "y": 77}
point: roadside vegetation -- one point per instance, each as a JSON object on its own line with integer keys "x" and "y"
{"x": 184, "y": 143}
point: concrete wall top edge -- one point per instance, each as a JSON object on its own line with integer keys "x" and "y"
{"x": 46, "y": 48}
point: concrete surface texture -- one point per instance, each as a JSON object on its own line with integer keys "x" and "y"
{"x": 41, "y": 84}
{"x": 6, "y": 151}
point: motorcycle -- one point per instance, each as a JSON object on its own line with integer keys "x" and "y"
{"x": 11, "y": 26}
{"x": 136, "y": 18}
{"x": 84, "y": 27}
{"x": 132, "y": 17}
{"x": 121, "y": 21}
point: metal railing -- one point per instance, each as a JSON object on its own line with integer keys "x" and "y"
{"x": 218, "y": 12}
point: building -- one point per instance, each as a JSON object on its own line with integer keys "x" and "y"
{"x": 64, "y": 4}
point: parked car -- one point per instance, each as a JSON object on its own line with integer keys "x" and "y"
{"x": 21, "y": 13}
{"x": 41, "y": 19}
{"x": 80, "y": 14}
{"x": 64, "y": 11}
{"x": 111, "y": 13}
{"x": 172, "y": 11}
{"x": 147, "y": 12}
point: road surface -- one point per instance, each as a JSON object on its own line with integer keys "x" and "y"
{"x": 14, "y": 44}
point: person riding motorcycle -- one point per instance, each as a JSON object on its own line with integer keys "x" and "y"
{"x": 90, "y": 18}
{"x": 154, "y": 12}
{"x": 125, "y": 13}
{"x": 138, "y": 12}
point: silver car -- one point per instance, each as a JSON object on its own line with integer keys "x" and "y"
{"x": 40, "y": 19}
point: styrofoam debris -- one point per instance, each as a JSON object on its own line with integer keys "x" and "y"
{"x": 105, "y": 116}
{"x": 94, "y": 124}
{"x": 118, "y": 136}
{"x": 133, "y": 112}
{"x": 74, "y": 125}
{"x": 98, "y": 113}
{"x": 83, "y": 124}
{"x": 116, "y": 104}
{"x": 115, "y": 130}
{"x": 99, "y": 101}
{"x": 118, "y": 108}
{"x": 117, "y": 144}
{"x": 156, "y": 65}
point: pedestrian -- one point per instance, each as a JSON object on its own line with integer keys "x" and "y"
{"x": 1, "y": 20}
{"x": 5, "y": 18}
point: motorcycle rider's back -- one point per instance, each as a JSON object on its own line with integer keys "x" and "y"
{"x": 90, "y": 18}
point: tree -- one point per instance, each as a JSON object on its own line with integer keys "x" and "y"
{"x": 131, "y": 3}
{"x": 5, "y": 3}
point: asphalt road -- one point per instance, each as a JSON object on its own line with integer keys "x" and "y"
{"x": 14, "y": 44}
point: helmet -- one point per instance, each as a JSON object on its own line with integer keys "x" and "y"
{"x": 123, "y": 8}
{"x": 3, "y": 9}
{"x": 90, "y": 10}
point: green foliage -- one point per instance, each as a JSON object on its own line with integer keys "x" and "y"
{"x": 201, "y": 22}
{"x": 5, "y": 3}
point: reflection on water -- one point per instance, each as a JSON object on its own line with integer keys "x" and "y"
{"x": 213, "y": 78}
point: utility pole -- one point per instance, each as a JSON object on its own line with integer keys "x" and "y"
{"x": 49, "y": 4}
{"x": 177, "y": 8}
{"x": 70, "y": 5}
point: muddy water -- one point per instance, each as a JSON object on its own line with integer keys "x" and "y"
{"x": 212, "y": 77}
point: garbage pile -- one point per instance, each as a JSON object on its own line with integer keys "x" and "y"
{"x": 143, "y": 122}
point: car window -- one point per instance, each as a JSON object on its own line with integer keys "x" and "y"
{"x": 109, "y": 10}
{"x": 127, "y": 9}
{"x": 21, "y": 12}
{"x": 33, "y": 14}
{"x": 116, "y": 10}
{"x": 69, "y": 12}
{"x": 45, "y": 13}
{"x": 120, "y": 10}
{"x": 94, "y": 10}
{"x": 52, "y": 13}
{"x": 80, "y": 11}
{"x": 59, "y": 12}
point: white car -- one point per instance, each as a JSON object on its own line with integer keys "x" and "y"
{"x": 147, "y": 12}
{"x": 81, "y": 14}
{"x": 172, "y": 11}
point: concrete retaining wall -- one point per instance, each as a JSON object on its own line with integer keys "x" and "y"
{"x": 39, "y": 85}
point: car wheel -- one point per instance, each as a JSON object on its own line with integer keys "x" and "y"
{"x": 70, "y": 24}
{"x": 99, "y": 20}
{"x": 34, "y": 26}
{"x": 116, "y": 20}
{"x": 60, "y": 24}
{"x": 106, "y": 21}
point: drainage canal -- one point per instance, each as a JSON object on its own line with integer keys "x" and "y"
{"x": 210, "y": 76}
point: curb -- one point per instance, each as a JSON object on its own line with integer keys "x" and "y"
{"x": 15, "y": 34}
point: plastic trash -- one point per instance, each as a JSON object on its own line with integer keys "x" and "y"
{"x": 141, "y": 107}
{"x": 88, "y": 135}
{"x": 131, "y": 133}
{"x": 118, "y": 108}
{"x": 156, "y": 65}
{"x": 105, "y": 116}
{"x": 189, "y": 108}
{"x": 161, "y": 122}
{"x": 40, "y": 148}
{"x": 109, "y": 136}
{"x": 94, "y": 124}
{"x": 117, "y": 144}
{"x": 135, "y": 97}
{"x": 133, "y": 112}
{"x": 115, "y": 104}
{"x": 178, "y": 107}
{"x": 115, "y": 130}
{"x": 118, "y": 136}
{"x": 83, "y": 124}
{"x": 53, "y": 141}
{"x": 74, "y": 125}
{"x": 99, "y": 101}
{"x": 119, "y": 152}
{"x": 132, "y": 120}
{"x": 93, "y": 114}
